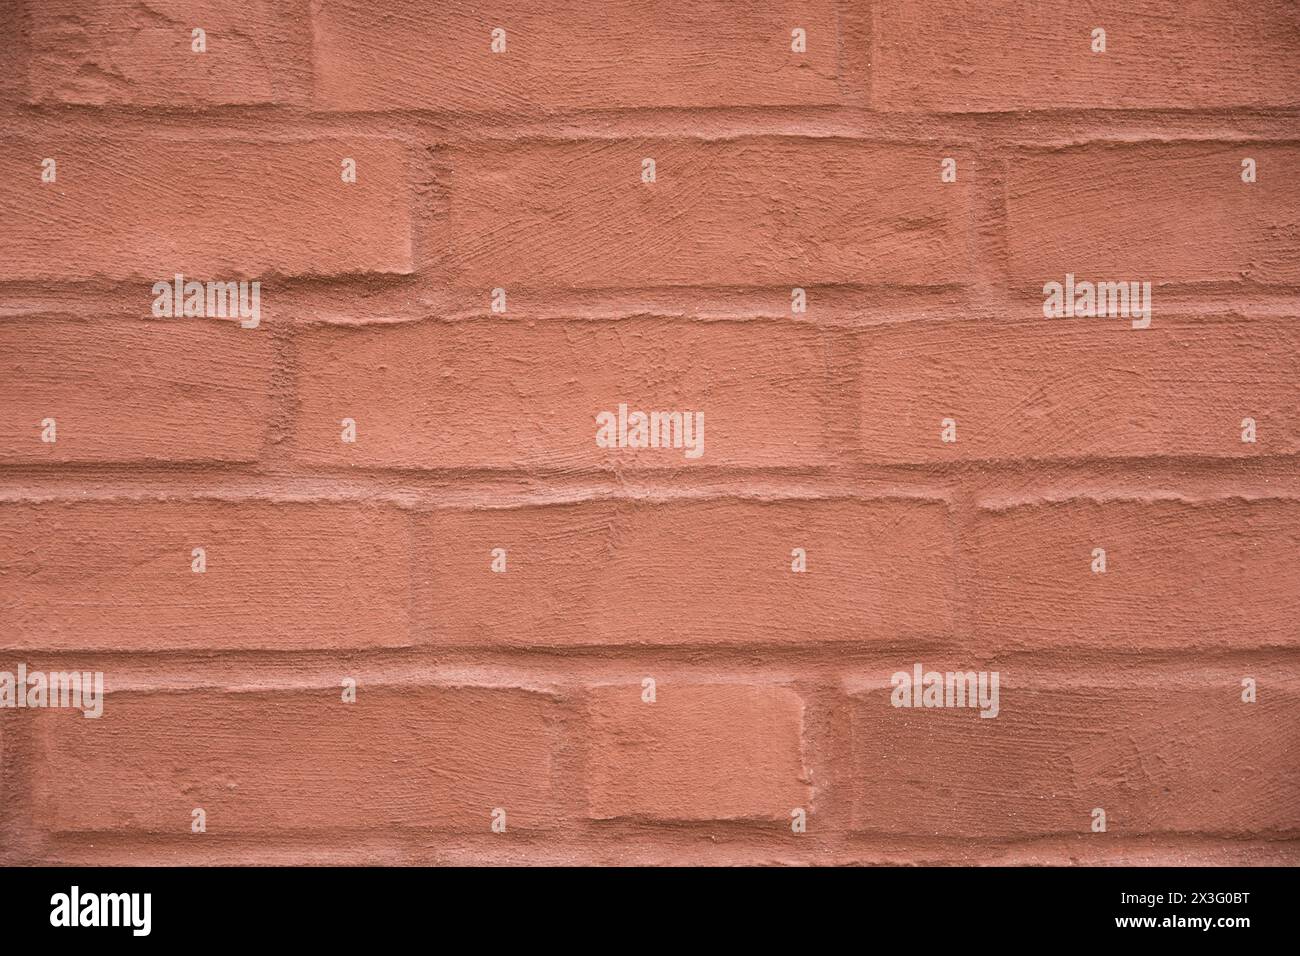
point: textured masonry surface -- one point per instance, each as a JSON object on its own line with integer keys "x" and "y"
{"x": 370, "y": 563}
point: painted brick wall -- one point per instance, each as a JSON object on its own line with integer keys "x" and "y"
{"x": 570, "y": 650}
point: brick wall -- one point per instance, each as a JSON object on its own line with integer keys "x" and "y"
{"x": 564, "y": 651}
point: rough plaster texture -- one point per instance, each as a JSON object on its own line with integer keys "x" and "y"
{"x": 525, "y": 690}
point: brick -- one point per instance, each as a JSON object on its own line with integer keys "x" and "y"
{"x": 120, "y": 391}
{"x": 501, "y": 394}
{"x": 297, "y": 759}
{"x": 970, "y": 56}
{"x": 689, "y": 572}
{"x": 759, "y": 211}
{"x": 121, "y": 52}
{"x": 1217, "y": 573}
{"x": 1159, "y": 213}
{"x": 146, "y": 209}
{"x": 1079, "y": 388}
{"x": 1159, "y": 756}
{"x": 436, "y": 55}
{"x": 116, "y": 575}
{"x": 700, "y": 752}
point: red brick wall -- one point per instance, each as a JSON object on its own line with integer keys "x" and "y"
{"x": 330, "y": 562}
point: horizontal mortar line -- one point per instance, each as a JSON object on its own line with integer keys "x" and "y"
{"x": 832, "y": 303}
{"x": 578, "y": 824}
{"x": 487, "y": 489}
{"x": 842, "y": 668}
{"x": 1256, "y": 477}
{"x": 841, "y": 461}
{"x": 1117, "y": 846}
{"x": 813, "y": 850}
{"x": 425, "y": 502}
{"x": 273, "y": 118}
{"x": 1180, "y": 299}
